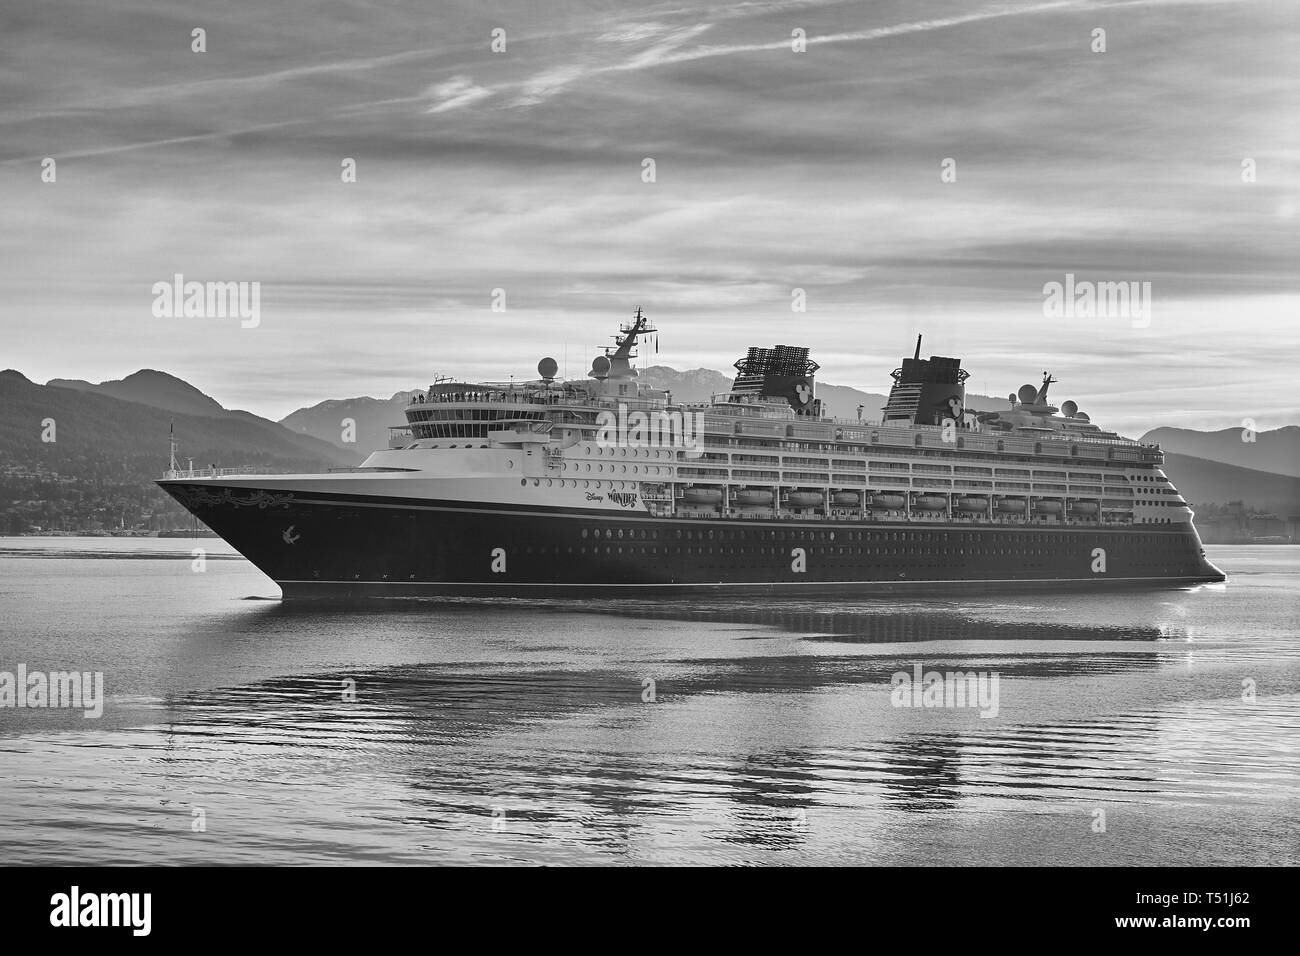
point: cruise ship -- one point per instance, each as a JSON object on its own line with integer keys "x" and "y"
{"x": 607, "y": 486}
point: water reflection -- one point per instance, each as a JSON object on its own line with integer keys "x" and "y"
{"x": 771, "y": 735}
{"x": 472, "y": 740}
{"x": 870, "y": 622}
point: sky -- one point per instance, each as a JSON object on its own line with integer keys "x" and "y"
{"x": 524, "y": 170}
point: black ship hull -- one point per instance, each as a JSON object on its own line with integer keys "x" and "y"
{"x": 336, "y": 546}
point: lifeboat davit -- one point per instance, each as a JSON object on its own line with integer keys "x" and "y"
{"x": 1047, "y": 507}
{"x": 1012, "y": 505}
{"x": 886, "y": 501}
{"x": 753, "y": 498}
{"x": 846, "y": 499}
{"x": 703, "y": 496}
{"x": 973, "y": 504}
{"x": 803, "y": 499}
{"x": 931, "y": 503}
{"x": 1083, "y": 508}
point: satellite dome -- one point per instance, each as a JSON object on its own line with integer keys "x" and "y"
{"x": 600, "y": 366}
{"x": 1027, "y": 393}
{"x": 1012, "y": 398}
{"x": 547, "y": 368}
{"x": 1068, "y": 409}
{"x": 1082, "y": 416}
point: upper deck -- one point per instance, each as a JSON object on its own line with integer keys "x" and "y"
{"x": 468, "y": 411}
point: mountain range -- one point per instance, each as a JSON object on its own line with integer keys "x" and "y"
{"x": 76, "y": 456}
{"x": 1276, "y": 451}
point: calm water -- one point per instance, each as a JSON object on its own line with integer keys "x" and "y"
{"x": 516, "y": 731}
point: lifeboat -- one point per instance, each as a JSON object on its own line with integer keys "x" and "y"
{"x": 1083, "y": 508}
{"x": 973, "y": 504}
{"x": 1011, "y": 505}
{"x": 703, "y": 496}
{"x": 886, "y": 501}
{"x": 1047, "y": 507}
{"x": 931, "y": 503}
{"x": 803, "y": 499}
{"x": 749, "y": 497}
{"x": 849, "y": 499}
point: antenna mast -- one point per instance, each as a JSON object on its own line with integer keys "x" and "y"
{"x": 171, "y": 440}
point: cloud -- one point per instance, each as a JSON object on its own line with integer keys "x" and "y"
{"x": 522, "y": 171}
{"x": 546, "y": 84}
{"x": 453, "y": 94}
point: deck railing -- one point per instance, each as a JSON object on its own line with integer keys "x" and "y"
{"x": 172, "y": 474}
